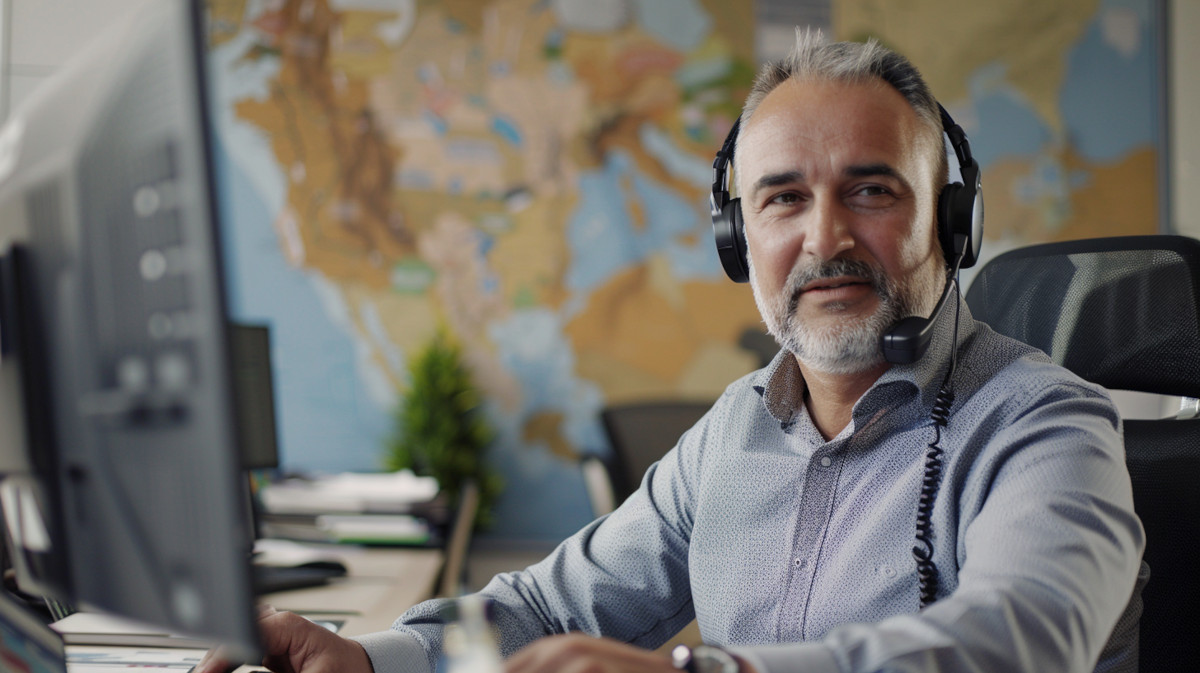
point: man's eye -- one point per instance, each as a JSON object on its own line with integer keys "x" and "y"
{"x": 786, "y": 199}
{"x": 872, "y": 190}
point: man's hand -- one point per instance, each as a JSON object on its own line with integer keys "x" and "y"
{"x": 577, "y": 653}
{"x": 296, "y": 645}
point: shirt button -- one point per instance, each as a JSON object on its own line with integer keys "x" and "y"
{"x": 800, "y": 563}
{"x": 825, "y": 462}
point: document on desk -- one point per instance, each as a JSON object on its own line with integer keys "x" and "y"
{"x": 145, "y": 660}
{"x": 107, "y": 632}
{"x": 89, "y": 628}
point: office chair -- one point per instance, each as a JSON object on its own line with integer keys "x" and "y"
{"x": 453, "y": 577}
{"x": 639, "y": 433}
{"x": 1123, "y": 312}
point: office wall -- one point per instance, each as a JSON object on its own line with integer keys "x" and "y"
{"x": 549, "y": 207}
{"x": 1185, "y": 111}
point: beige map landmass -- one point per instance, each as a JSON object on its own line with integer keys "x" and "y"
{"x": 1119, "y": 199}
{"x": 636, "y": 342}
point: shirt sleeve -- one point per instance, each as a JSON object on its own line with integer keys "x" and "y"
{"x": 624, "y": 576}
{"x": 1049, "y": 550}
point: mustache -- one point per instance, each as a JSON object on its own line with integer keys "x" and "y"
{"x": 801, "y": 276}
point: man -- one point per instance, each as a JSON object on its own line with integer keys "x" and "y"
{"x": 783, "y": 521}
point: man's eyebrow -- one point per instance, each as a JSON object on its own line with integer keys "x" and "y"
{"x": 871, "y": 170}
{"x": 878, "y": 170}
{"x": 776, "y": 179}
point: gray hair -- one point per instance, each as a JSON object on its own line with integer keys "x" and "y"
{"x": 815, "y": 58}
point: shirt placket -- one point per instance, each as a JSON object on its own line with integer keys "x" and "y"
{"x": 812, "y": 525}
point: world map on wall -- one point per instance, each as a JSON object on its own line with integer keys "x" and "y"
{"x": 533, "y": 175}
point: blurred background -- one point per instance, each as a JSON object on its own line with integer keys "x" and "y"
{"x": 532, "y": 176}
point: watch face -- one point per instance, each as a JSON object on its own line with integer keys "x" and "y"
{"x": 681, "y": 658}
{"x": 707, "y": 659}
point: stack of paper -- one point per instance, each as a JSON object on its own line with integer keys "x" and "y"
{"x": 94, "y": 628}
{"x": 352, "y": 507}
{"x": 350, "y": 493}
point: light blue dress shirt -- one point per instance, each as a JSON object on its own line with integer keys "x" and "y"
{"x": 796, "y": 552}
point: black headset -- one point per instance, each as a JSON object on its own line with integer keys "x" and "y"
{"x": 960, "y": 233}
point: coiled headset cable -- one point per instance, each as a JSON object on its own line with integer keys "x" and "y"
{"x": 927, "y": 572}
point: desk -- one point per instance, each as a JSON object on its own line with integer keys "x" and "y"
{"x": 380, "y": 584}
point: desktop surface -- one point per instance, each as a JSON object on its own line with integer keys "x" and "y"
{"x": 379, "y": 585}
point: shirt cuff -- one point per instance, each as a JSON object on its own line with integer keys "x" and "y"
{"x": 788, "y": 658}
{"x": 394, "y": 652}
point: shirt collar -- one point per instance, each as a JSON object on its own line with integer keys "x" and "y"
{"x": 782, "y": 387}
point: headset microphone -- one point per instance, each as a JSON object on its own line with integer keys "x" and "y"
{"x": 908, "y": 339}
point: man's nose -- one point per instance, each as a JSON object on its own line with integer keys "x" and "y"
{"x": 826, "y": 234}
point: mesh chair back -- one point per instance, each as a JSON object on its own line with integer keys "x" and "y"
{"x": 1123, "y": 312}
{"x": 1165, "y": 469}
{"x": 640, "y": 434}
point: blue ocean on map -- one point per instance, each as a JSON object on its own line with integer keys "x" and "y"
{"x": 326, "y": 418}
{"x": 1007, "y": 124}
{"x": 534, "y": 349}
{"x": 1102, "y": 100}
{"x": 682, "y": 24}
{"x": 605, "y": 241}
{"x": 1106, "y": 91}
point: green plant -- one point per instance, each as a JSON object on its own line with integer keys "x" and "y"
{"x": 441, "y": 430}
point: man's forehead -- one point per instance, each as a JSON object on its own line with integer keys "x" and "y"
{"x": 814, "y": 107}
{"x": 842, "y": 125}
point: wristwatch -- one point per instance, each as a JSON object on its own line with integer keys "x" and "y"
{"x": 703, "y": 659}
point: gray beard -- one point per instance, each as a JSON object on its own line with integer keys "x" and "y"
{"x": 852, "y": 345}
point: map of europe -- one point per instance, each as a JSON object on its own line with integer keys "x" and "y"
{"x": 532, "y": 175}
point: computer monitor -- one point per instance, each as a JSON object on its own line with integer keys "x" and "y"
{"x": 254, "y": 393}
{"x": 119, "y": 442}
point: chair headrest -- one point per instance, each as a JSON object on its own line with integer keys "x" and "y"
{"x": 1123, "y": 312}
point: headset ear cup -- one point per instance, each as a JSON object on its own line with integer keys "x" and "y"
{"x": 739, "y": 234}
{"x": 960, "y": 212}
{"x": 945, "y": 221}
{"x": 973, "y": 211}
{"x": 731, "y": 241}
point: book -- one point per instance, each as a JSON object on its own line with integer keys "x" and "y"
{"x": 398, "y": 529}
